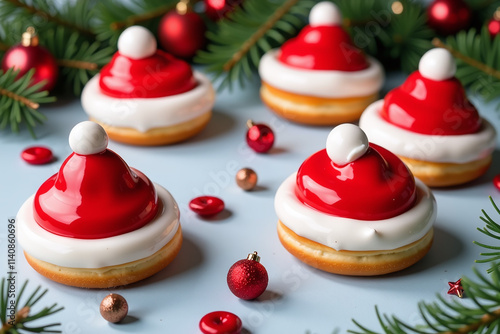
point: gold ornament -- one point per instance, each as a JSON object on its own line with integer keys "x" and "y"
{"x": 114, "y": 308}
{"x": 246, "y": 178}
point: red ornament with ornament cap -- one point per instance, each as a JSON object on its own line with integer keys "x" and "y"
{"x": 218, "y": 9}
{"x": 181, "y": 32}
{"x": 29, "y": 54}
{"x": 494, "y": 24}
{"x": 344, "y": 198}
{"x": 260, "y": 137}
{"x": 146, "y": 96}
{"x": 247, "y": 279}
{"x": 447, "y": 17}
{"x": 97, "y": 212}
{"x": 220, "y": 322}
{"x": 432, "y": 126}
{"x": 320, "y": 77}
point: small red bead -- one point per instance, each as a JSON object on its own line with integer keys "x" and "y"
{"x": 37, "y": 155}
{"x": 494, "y": 27}
{"x": 496, "y": 181}
{"x": 220, "y": 322}
{"x": 206, "y": 205}
{"x": 260, "y": 138}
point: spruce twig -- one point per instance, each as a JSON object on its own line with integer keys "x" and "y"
{"x": 140, "y": 18}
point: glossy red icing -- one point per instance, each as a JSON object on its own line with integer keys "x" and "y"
{"x": 376, "y": 186}
{"x": 157, "y": 76}
{"x": 431, "y": 107}
{"x": 95, "y": 196}
{"x": 220, "y": 322}
{"x": 323, "y": 48}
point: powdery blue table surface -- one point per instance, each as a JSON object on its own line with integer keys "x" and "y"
{"x": 299, "y": 299}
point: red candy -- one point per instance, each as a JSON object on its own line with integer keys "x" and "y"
{"x": 431, "y": 107}
{"x": 376, "y": 186}
{"x": 206, "y": 205}
{"x": 156, "y": 76}
{"x": 323, "y": 48}
{"x": 220, "y": 322}
{"x": 37, "y": 155}
{"x": 260, "y": 138}
{"x": 95, "y": 196}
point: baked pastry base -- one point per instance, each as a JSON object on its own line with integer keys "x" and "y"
{"x": 314, "y": 110}
{"x": 111, "y": 276}
{"x": 157, "y": 136}
{"x": 436, "y": 174}
{"x": 354, "y": 263}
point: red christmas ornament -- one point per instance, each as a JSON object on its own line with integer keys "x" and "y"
{"x": 27, "y": 55}
{"x": 448, "y": 17}
{"x": 260, "y": 137}
{"x": 220, "y": 322}
{"x": 496, "y": 181}
{"x": 206, "y": 205}
{"x": 247, "y": 279}
{"x": 456, "y": 288}
{"x": 181, "y": 32}
{"x": 494, "y": 24}
{"x": 37, "y": 155}
{"x": 218, "y": 9}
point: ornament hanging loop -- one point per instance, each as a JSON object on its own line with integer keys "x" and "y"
{"x": 182, "y": 7}
{"x": 29, "y": 37}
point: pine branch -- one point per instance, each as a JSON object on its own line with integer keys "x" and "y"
{"x": 19, "y": 101}
{"x": 235, "y": 48}
{"x": 22, "y": 316}
{"x": 451, "y": 317}
{"x": 478, "y": 61}
{"x": 492, "y": 229}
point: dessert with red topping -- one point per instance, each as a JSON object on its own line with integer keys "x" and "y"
{"x": 145, "y": 96}
{"x": 320, "y": 77}
{"x": 354, "y": 208}
{"x": 432, "y": 126}
{"x": 98, "y": 223}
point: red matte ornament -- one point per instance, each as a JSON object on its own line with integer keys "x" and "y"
{"x": 494, "y": 27}
{"x": 456, "y": 288}
{"x": 247, "y": 279}
{"x": 220, "y": 322}
{"x": 28, "y": 55}
{"x": 37, "y": 155}
{"x": 447, "y": 17}
{"x": 206, "y": 205}
{"x": 260, "y": 137}
{"x": 496, "y": 181}
{"x": 181, "y": 32}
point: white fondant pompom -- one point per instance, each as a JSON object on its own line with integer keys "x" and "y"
{"x": 346, "y": 143}
{"x": 137, "y": 42}
{"x": 437, "y": 64}
{"x": 88, "y": 138}
{"x": 325, "y": 14}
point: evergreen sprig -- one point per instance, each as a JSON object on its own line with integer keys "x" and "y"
{"x": 478, "y": 61}
{"x": 492, "y": 229}
{"x": 444, "y": 316}
{"x": 23, "y": 315}
{"x": 237, "y": 44}
{"x": 19, "y": 101}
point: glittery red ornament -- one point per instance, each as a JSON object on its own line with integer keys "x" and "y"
{"x": 28, "y": 55}
{"x": 181, "y": 32}
{"x": 220, "y": 322}
{"x": 218, "y": 9}
{"x": 247, "y": 279}
{"x": 37, "y": 155}
{"x": 206, "y": 205}
{"x": 448, "y": 17}
{"x": 260, "y": 137}
{"x": 456, "y": 288}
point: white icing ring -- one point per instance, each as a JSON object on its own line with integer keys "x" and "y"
{"x": 321, "y": 83}
{"x": 98, "y": 253}
{"x": 144, "y": 114}
{"x": 352, "y": 234}
{"x": 452, "y": 149}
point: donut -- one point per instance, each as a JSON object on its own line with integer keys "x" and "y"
{"x": 431, "y": 125}
{"x": 320, "y": 77}
{"x": 145, "y": 96}
{"x": 354, "y": 208}
{"x": 98, "y": 223}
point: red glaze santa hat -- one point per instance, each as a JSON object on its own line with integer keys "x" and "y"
{"x": 95, "y": 194}
{"x": 323, "y": 44}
